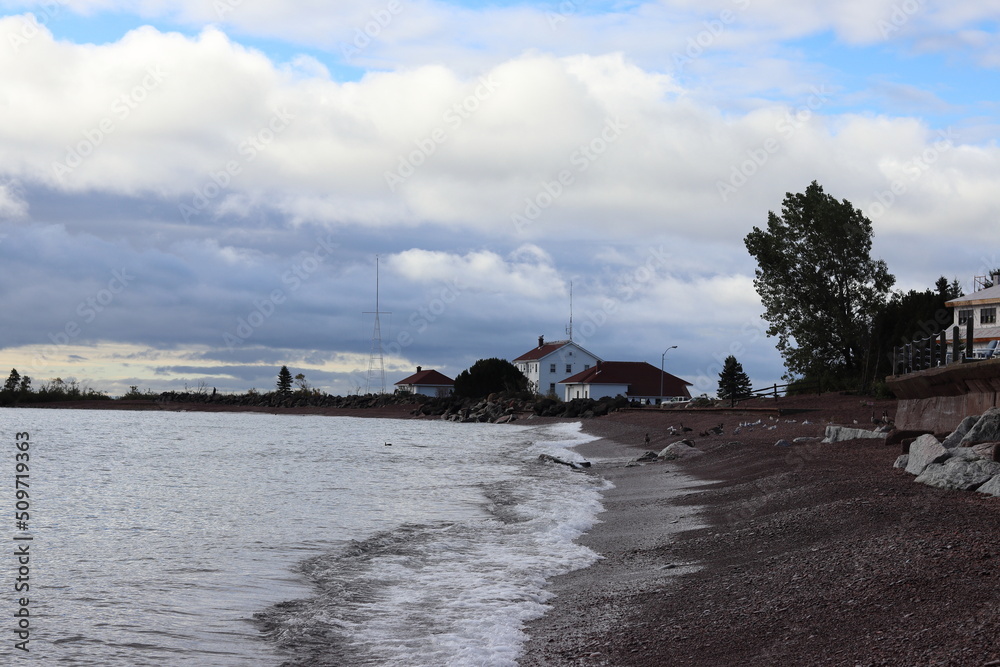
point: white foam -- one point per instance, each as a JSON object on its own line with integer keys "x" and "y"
{"x": 459, "y": 594}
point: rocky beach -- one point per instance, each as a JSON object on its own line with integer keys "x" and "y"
{"x": 752, "y": 553}
{"x": 743, "y": 551}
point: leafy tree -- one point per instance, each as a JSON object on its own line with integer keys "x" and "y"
{"x": 733, "y": 382}
{"x": 284, "y": 381}
{"x": 13, "y": 381}
{"x": 300, "y": 382}
{"x": 488, "y": 376}
{"x": 818, "y": 283}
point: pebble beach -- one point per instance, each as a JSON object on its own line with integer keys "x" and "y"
{"x": 813, "y": 554}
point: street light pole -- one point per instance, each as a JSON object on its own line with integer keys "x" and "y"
{"x": 662, "y": 356}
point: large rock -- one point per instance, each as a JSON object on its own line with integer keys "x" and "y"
{"x": 924, "y": 451}
{"x": 901, "y": 461}
{"x": 959, "y": 474}
{"x": 987, "y": 429}
{"x": 842, "y": 433}
{"x": 988, "y": 450}
{"x": 991, "y": 487}
{"x": 956, "y": 436}
{"x": 679, "y": 450}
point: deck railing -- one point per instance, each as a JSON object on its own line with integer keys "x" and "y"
{"x": 930, "y": 352}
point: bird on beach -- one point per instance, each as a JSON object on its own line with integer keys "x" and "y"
{"x": 647, "y": 439}
{"x": 685, "y": 429}
{"x": 387, "y": 444}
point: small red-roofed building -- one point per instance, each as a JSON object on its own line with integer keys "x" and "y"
{"x": 635, "y": 380}
{"x": 427, "y": 383}
{"x": 550, "y": 363}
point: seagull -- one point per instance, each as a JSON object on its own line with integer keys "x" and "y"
{"x": 685, "y": 429}
{"x": 387, "y": 444}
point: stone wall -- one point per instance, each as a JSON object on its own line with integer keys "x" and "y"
{"x": 937, "y": 399}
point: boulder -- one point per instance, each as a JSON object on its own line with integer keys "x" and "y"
{"x": 647, "y": 456}
{"x": 901, "y": 461}
{"x": 842, "y": 433}
{"x": 924, "y": 451}
{"x": 959, "y": 474}
{"x": 806, "y": 438}
{"x": 782, "y": 443}
{"x": 960, "y": 432}
{"x": 988, "y": 450}
{"x": 992, "y": 487}
{"x": 680, "y": 450}
{"x": 986, "y": 429}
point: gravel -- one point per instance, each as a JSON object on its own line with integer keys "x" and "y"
{"x": 814, "y": 554}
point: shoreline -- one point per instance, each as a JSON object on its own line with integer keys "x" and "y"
{"x": 811, "y": 554}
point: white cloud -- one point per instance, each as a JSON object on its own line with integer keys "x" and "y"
{"x": 527, "y": 272}
{"x": 11, "y": 203}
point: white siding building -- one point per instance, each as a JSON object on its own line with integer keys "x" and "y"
{"x": 427, "y": 383}
{"x": 981, "y": 309}
{"x": 550, "y": 363}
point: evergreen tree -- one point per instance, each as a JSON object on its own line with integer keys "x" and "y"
{"x": 284, "y": 381}
{"x": 13, "y": 381}
{"x": 733, "y": 382}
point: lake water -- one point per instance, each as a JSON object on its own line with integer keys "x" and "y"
{"x": 168, "y": 538}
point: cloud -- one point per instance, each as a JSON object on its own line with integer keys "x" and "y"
{"x": 11, "y": 203}
{"x": 526, "y": 272}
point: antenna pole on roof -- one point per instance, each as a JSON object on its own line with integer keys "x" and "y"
{"x": 569, "y": 329}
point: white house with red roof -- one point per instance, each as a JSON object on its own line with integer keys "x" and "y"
{"x": 635, "y": 380}
{"x": 427, "y": 383}
{"x": 550, "y": 363}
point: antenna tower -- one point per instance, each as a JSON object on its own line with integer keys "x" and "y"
{"x": 569, "y": 329}
{"x": 376, "y": 362}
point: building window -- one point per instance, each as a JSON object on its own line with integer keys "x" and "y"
{"x": 586, "y": 367}
{"x": 552, "y": 368}
{"x": 569, "y": 368}
{"x": 964, "y": 316}
{"x": 552, "y": 388}
{"x": 988, "y": 316}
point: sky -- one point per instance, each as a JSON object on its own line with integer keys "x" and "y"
{"x": 195, "y": 193}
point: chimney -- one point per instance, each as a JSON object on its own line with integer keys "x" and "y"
{"x": 418, "y": 369}
{"x": 541, "y": 341}
{"x": 995, "y": 277}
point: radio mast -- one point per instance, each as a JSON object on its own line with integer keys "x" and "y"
{"x": 376, "y": 361}
{"x": 569, "y": 329}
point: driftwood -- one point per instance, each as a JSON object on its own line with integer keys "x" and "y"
{"x": 576, "y": 465}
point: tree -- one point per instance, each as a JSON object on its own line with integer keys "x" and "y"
{"x": 948, "y": 291}
{"x": 488, "y": 376}
{"x": 911, "y": 316}
{"x": 733, "y": 382}
{"x": 13, "y": 381}
{"x": 284, "y": 381}
{"x": 818, "y": 283}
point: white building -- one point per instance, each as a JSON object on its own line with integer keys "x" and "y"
{"x": 981, "y": 309}
{"x": 550, "y": 363}
{"x": 635, "y": 380}
{"x": 427, "y": 383}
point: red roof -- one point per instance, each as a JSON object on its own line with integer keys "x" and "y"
{"x": 543, "y": 350}
{"x": 429, "y": 378}
{"x": 643, "y": 379}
